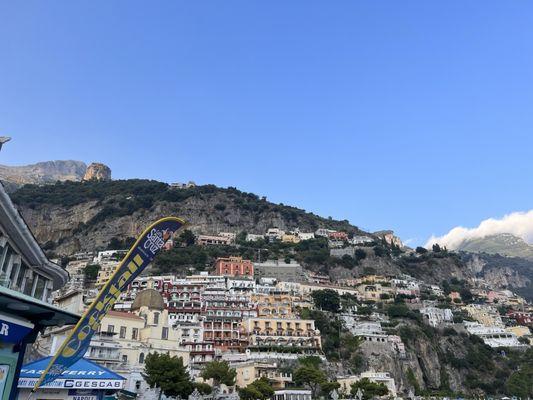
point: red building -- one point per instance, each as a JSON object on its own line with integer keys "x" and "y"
{"x": 522, "y": 317}
{"x": 234, "y": 266}
{"x": 338, "y": 235}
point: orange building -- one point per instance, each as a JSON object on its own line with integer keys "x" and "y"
{"x": 234, "y": 266}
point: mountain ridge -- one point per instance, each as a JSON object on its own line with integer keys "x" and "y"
{"x": 505, "y": 244}
{"x": 87, "y": 215}
{"x": 43, "y": 172}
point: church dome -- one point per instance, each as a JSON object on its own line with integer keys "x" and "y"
{"x": 149, "y": 298}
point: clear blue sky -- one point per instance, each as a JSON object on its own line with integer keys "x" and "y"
{"x": 411, "y": 115}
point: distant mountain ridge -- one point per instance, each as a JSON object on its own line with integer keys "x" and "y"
{"x": 504, "y": 243}
{"x": 42, "y": 172}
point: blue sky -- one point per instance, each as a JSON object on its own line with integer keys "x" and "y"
{"x": 409, "y": 115}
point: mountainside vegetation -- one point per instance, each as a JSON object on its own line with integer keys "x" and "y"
{"x": 69, "y": 217}
{"x": 88, "y": 215}
{"x": 443, "y": 361}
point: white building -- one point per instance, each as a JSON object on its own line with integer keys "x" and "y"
{"x": 377, "y": 377}
{"x": 360, "y": 240}
{"x": 306, "y": 235}
{"x": 493, "y": 336}
{"x": 230, "y": 235}
{"x": 435, "y": 316}
{"x": 252, "y": 237}
{"x": 115, "y": 255}
{"x": 274, "y": 234}
{"x": 323, "y": 232}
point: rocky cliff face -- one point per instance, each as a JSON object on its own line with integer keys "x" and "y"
{"x": 97, "y": 171}
{"x": 502, "y": 272}
{"x": 88, "y": 225}
{"x": 435, "y": 360}
{"x": 43, "y": 172}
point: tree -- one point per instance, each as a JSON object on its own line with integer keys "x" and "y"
{"x": 91, "y": 271}
{"x": 220, "y": 372}
{"x": 187, "y": 238}
{"x": 370, "y": 389}
{"x": 360, "y": 254}
{"x": 421, "y": 250}
{"x": 311, "y": 377}
{"x": 436, "y": 248}
{"x": 328, "y": 386}
{"x": 249, "y": 393}
{"x": 466, "y": 295}
{"x": 520, "y": 383}
{"x": 168, "y": 374}
{"x": 260, "y": 389}
{"x": 310, "y": 361}
{"x": 202, "y": 387}
{"x": 327, "y": 300}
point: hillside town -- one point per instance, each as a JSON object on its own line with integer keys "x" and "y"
{"x": 259, "y": 319}
{"x": 274, "y": 325}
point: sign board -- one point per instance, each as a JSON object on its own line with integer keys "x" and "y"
{"x": 102, "y": 384}
{"x": 12, "y": 332}
{"x": 77, "y": 394}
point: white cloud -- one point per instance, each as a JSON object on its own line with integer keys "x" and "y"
{"x": 517, "y": 223}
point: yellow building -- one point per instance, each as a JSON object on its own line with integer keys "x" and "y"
{"x": 372, "y": 279}
{"x": 106, "y": 270}
{"x": 277, "y": 305}
{"x": 375, "y": 292}
{"x": 250, "y": 371}
{"x": 289, "y": 238}
{"x": 145, "y": 329}
{"x": 264, "y": 331}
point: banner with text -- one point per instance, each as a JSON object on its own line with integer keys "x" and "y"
{"x": 139, "y": 256}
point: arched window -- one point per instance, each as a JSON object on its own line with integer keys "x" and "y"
{"x": 141, "y": 358}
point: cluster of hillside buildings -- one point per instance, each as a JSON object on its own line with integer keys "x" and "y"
{"x": 248, "y": 313}
{"x": 336, "y": 239}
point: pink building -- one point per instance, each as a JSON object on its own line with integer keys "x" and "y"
{"x": 234, "y": 266}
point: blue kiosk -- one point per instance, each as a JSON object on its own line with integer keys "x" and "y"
{"x": 84, "y": 380}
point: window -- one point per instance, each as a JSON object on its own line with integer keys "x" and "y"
{"x": 39, "y": 287}
{"x": 164, "y": 333}
{"x": 20, "y": 277}
{"x": 156, "y": 318}
{"x": 14, "y": 270}
{"x": 137, "y": 385}
{"x": 122, "y": 334}
{"x": 134, "y": 333}
{"x": 141, "y": 358}
{"x": 110, "y": 328}
{"x": 124, "y": 358}
{"x": 28, "y": 286}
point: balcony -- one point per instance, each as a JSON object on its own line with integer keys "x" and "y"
{"x": 104, "y": 356}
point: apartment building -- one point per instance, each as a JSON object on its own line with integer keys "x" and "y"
{"x": 234, "y": 266}
{"x": 435, "y": 316}
{"x": 208, "y": 240}
{"x": 107, "y": 268}
{"x": 264, "y": 331}
{"x": 275, "y": 304}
